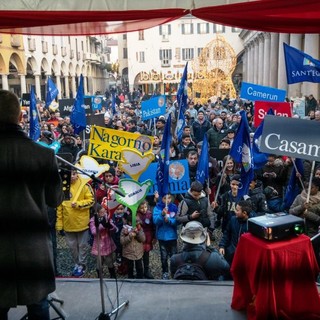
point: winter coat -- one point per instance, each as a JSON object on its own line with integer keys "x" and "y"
{"x": 226, "y": 209}
{"x": 100, "y": 193}
{"x": 276, "y": 182}
{"x": 132, "y": 247}
{"x": 200, "y": 129}
{"x": 76, "y": 219}
{"x": 148, "y": 229}
{"x": 29, "y": 182}
{"x": 258, "y": 200}
{"x": 165, "y": 230}
{"x": 312, "y": 215}
{"x": 107, "y": 245}
{"x": 215, "y": 136}
{"x": 231, "y": 236}
{"x": 215, "y": 265}
{"x": 188, "y": 205}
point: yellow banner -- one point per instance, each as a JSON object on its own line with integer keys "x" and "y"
{"x": 107, "y": 143}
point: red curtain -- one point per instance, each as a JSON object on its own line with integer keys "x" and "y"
{"x": 283, "y": 16}
{"x": 293, "y": 16}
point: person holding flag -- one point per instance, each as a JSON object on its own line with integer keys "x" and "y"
{"x": 164, "y": 213}
{"x": 241, "y": 152}
{"x": 259, "y": 158}
{"x": 182, "y": 98}
{"x": 78, "y": 113}
{"x": 164, "y": 158}
{"x": 52, "y": 92}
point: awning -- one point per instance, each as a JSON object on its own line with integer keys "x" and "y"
{"x": 93, "y": 17}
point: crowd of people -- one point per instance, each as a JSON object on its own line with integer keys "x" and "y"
{"x": 125, "y": 248}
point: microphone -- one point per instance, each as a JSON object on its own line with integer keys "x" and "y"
{"x": 99, "y": 181}
{"x": 93, "y": 177}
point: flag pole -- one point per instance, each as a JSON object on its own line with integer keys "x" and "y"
{"x": 310, "y": 181}
{"x": 299, "y": 176}
{"x": 220, "y": 182}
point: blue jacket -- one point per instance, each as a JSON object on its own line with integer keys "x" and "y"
{"x": 165, "y": 230}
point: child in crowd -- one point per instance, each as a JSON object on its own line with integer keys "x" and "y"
{"x": 237, "y": 225}
{"x": 107, "y": 246}
{"x": 164, "y": 217}
{"x": 132, "y": 240}
{"x": 117, "y": 220}
{"x": 73, "y": 217}
{"x": 145, "y": 216}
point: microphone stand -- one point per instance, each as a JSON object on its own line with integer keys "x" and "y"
{"x": 103, "y": 315}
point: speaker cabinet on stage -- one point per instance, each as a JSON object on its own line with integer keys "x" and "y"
{"x": 276, "y": 226}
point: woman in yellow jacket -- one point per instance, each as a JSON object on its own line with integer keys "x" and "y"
{"x": 73, "y": 217}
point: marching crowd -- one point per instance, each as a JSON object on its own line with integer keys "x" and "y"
{"x": 126, "y": 249}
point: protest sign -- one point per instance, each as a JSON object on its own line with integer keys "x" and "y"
{"x": 108, "y": 143}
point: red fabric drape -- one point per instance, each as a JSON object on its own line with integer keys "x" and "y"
{"x": 275, "y": 280}
{"x": 294, "y": 16}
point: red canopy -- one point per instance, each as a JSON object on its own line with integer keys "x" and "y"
{"x": 75, "y": 17}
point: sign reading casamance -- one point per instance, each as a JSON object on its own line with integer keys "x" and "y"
{"x": 107, "y": 143}
{"x": 291, "y": 137}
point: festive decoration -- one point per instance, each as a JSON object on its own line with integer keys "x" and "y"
{"x": 213, "y": 70}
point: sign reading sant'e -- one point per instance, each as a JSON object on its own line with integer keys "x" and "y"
{"x": 291, "y": 137}
{"x": 108, "y": 143}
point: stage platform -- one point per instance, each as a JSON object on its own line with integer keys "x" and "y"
{"x": 147, "y": 299}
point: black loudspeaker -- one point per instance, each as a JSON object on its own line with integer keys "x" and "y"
{"x": 276, "y": 226}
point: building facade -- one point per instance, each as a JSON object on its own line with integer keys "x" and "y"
{"x": 154, "y": 59}
{"x": 264, "y": 64}
{"x": 30, "y": 60}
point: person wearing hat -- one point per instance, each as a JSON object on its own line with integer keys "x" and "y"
{"x": 230, "y": 135}
{"x": 200, "y": 126}
{"x": 69, "y": 145}
{"x": 195, "y": 238}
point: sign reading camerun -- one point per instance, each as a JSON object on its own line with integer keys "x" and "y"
{"x": 291, "y": 137}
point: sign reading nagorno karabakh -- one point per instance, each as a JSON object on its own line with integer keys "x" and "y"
{"x": 108, "y": 143}
{"x": 291, "y": 137}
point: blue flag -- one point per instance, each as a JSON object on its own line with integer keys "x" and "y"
{"x": 34, "y": 132}
{"x": 203, "y": 163}
{"x": 293, "y": 187}
{"x": 241, "y": 152}
{"x": 113, "y": 103}
{"x": 164, "y": 159}
{"x": 52, "y": 92}
{"x": 78, "y": 113}
{"x": 300, "y": 66}
{"x": 259, "y": 158}
{"x": 182, "y": 98}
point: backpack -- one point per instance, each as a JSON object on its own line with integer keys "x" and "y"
{"x": 190, "y": 270}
